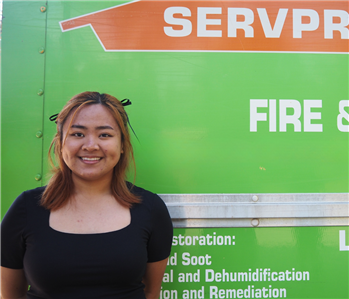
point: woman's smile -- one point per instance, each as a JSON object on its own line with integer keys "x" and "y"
{"x": 90, "y": 160}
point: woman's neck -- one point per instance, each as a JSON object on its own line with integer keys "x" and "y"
{"x": 91, "y": 190}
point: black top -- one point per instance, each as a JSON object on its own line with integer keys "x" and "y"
{"x": 66, "y": 265}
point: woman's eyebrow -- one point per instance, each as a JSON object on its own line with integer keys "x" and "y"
{"x": 78, "y": 127}
{"x": 104, "y": 128}
{"x": 97, "y": 128}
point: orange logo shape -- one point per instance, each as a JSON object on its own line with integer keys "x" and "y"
{"x": 208, "y": 25}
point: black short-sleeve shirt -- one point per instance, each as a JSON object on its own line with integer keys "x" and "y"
{"x": 103, "y": 265}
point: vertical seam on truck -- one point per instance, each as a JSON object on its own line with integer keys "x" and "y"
{"x": 43, "y": 101}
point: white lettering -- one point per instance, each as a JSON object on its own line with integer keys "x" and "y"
{"x": 209, "y": 275}
{"x": 299, "y": 27}
{"x": 330, "y": 26}
{"x": 308, "y": 115}
{"x": 290, "y": 118}
{"x": 343, "y": 115}
{"x": 203, "y": 21}
{"x": 303, "y": 20}
{"x": 170, "y": 19}
{"x": 213, "y": 292}
{"x": 167, "y": 294}
{"x": 186, "y": 258}
{"x": 234, "y": 24}
{"x": 274, "y": 276}
{"x": 194, "y": 260}
{"x": 279, "y": 23}
{"x": 257, "y": 116}
{"x": 289, "y": 113}
{"x": 172, "y": 260}
{"x": 174, "y": 241}
{"x": 272, "y": 115}
{"x": 188, "y": 240}
{"x": 342, "y": 246}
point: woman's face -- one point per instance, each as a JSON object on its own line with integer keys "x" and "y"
{"x": 92, "y": 145}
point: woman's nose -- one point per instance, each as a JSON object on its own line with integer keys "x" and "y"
{"x": 90, "y": 144}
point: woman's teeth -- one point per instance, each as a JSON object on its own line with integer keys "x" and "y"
{"x": 90, "y": 159}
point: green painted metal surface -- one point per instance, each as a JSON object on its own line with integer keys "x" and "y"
{"x": 191, "y": 111}
{"x": 23, "y": 68}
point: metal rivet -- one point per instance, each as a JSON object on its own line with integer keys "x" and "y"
{"x": 255, "y": 222}
{"x": 254, "y": 198}
{"x": 38, "y": 177}
{"x": 43, "y": 8}
{"x": 40, "y": 92}
{"x": 41, "y": 50}
{"x": 38, "y": 134}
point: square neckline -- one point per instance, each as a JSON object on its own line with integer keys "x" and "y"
{"x": 90, "y": 234}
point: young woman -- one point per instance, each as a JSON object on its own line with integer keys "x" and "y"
{"x": 88, "y": 233}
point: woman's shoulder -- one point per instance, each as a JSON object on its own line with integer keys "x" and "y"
{"x": 31, "y": 196}
{"x": 27, "y": 204}
{"x": 28, "y": 199}
{"x": 154, "y": 210}
{"x": 140, "y": 191}
{"x": 148, "y": 198}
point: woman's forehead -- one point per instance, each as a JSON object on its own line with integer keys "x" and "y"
{"x": 91, "y": 115}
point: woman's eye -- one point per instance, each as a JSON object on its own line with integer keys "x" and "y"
{"x": 105, "y": 135}
{"x": 78, "y": 135}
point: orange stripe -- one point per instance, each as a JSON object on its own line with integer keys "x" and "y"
{"x": 140, "y": 26}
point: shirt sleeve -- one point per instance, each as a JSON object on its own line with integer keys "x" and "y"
{"x": 160, "y": 241}
{"x": 12, "y": 241}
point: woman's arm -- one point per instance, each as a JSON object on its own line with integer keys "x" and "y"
{"x": 13, "y": 284}
{"x": 153, "y": 278}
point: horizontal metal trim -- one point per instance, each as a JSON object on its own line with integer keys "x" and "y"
{"x": 264, "y": 222}
{"x": 263, "y": 197}
{"x": 261, "y": 206}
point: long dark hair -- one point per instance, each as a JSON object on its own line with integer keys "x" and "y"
{"x": 60, "y": 187}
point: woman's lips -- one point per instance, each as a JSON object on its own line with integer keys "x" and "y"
{"x": 90, "y": 160}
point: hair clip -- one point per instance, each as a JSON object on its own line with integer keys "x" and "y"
{"x": 126, "y": 102}
{"x": 54, "y": 117}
